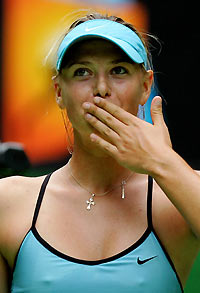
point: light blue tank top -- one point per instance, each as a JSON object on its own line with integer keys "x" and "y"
{"x": 145, "y": 267}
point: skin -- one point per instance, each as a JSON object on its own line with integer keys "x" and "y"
{"x": 102, "y": 96}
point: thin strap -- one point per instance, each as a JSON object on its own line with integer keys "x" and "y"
{"x": 149, "y": 202}
{"x": 40, "y": 198}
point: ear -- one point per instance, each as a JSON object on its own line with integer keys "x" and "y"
{"x": 147, "y": 83}
{"x": 58, "y": 91}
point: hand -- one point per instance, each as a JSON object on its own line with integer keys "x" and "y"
{"x": 132, "y": 142}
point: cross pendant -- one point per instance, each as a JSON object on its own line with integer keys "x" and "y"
{"x": 90, "y": 202}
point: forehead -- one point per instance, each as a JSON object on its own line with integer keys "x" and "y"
{"x": 95, "y": 48}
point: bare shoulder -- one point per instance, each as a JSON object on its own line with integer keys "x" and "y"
{"x": 18, "y": 196}
{"x": 17, "y": 189}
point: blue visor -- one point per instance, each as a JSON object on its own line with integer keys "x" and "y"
{"x": 119, "y": 34}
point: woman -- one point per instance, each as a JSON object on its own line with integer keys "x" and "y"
{"x": 101, "y": 223}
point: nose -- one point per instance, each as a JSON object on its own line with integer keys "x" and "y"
{"x": 102, "y": 86}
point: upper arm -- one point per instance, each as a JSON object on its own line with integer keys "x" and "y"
{"x": 4, "y": 206}
{"x": 18, "y": 197}
{"x": 4, "y": 276}
{"x": 10, "y": 201}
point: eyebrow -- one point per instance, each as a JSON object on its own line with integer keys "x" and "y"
{"x": 121, "y": 60}
{"x": 74, "y": 62}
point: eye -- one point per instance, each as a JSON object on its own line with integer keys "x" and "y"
{"x": 82, "y": 72}
{"x": 119, "y": 70}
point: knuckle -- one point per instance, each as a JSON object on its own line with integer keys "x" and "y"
{"x": 107, "y": 147}
{"x": 115, "y": 112}
{"x": 108, "y": 119}
{"x": 94, "y": 109}
{"x": 122, "y": 152}
{"x": 94, "y": 121}
{"x": 102, "y": 103}
{"x": 107, "y": 131}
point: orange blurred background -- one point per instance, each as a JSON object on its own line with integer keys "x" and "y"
{"x": 30, "y": 114}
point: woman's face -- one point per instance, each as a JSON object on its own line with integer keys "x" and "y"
{"x": 99, "y": 68}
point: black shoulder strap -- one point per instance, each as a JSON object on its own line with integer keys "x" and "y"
{"x": 149, "y": 202}
{"x": 40, "y": 198}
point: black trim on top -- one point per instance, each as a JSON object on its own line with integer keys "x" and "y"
{"x": 40, "y": 198}
{"x": 37, "y": 208}
{"x": 90, "y": 262}
{"x": 149, "y": 202}
{"x": 150, "y": 225}
{"x": 94, "y": 262}
{"x": 16, "y": 256}
{"x": 168, "y": 258}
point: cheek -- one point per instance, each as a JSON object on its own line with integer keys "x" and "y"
{"x": 130, "y": 96}
{"x": 76, "y": 93}
{"x": 73, "y": 97}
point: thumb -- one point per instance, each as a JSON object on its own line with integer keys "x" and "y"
{"x": 156, "y": 110}
{"x": 157, "y": 118}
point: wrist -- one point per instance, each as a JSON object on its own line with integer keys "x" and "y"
{"x": 164, "y": 163}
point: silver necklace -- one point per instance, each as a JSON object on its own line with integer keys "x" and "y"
{"x": 91, "y": 202}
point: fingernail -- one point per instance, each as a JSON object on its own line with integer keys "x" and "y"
{"x": 93, "y": 137}
{"x": 86, "y": 105}
{"x": 88, "y": 116}
{"x": 97, "y": 100}
{"x": 158, "y": 101}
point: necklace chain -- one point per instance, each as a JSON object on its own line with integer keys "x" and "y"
{"x": 91, "y": 200}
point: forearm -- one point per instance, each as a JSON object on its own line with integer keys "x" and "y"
{"x": 181, "y": 184}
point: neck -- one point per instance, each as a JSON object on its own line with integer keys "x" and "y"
{"x": 96, "y": 172}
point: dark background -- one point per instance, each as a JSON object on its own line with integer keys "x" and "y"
{"x": 177, "y": 72}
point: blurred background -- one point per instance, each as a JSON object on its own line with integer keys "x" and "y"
{"x": 32, "y": 134}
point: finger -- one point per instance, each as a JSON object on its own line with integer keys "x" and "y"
{"x": 103, "y": 116}
{"x": 102, "y": 128}
{"x": 114, "y": 110}
{"x": 104, "y": 145}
